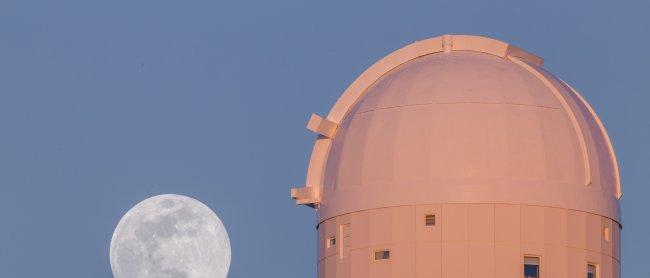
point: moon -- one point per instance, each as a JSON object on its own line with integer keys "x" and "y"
{"x": 170, "y": 236}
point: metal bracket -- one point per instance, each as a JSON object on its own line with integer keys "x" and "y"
{"x": 322, "y": 126}
{"x": 308, "y": 195}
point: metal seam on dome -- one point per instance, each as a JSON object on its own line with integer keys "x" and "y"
{"x": 567, "y": 108}
{"x": 610, "y": 147}
{"x": 452, "y": 103}
{"x": 479, "y": 44}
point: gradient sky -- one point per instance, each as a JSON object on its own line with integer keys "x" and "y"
{"x": 105, "y": 103}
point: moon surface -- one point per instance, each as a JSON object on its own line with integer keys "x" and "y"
{"x": 170, "y": 236}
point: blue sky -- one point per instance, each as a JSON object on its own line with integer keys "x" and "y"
{"x": 105, "y": 103}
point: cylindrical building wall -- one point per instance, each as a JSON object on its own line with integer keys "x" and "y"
{"x": 468, "y": 240}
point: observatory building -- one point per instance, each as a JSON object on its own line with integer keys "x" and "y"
{"x": 457, "y": 157}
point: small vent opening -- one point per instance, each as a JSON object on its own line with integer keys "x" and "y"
{"x": 430, "y": 220}
{"x": 382, "y": 255}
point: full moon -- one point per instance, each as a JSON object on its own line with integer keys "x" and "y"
{"x": 170, "y": 236}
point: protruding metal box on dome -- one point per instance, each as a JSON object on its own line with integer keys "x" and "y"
{"x": 512, "y": 164}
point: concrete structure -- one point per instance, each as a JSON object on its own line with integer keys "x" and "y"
{"x": 460, "y": 156}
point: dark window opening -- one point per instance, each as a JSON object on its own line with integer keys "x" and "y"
{"x": 331, "y": 241}
{"x": 591, "y": 271}
{"x": 531, "y": 267}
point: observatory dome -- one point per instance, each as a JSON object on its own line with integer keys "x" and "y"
{"x": 460, "y": 156}
{"x": 460, "y": 119}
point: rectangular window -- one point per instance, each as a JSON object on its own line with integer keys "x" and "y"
{"x": 382, "y": 255}
{"x": 531, "y": 267}
{"x": 591, "y": 271}
{"x": 430, "y": 220}
{"x": 331, "y": 241}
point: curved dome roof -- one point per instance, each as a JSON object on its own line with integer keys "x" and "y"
{"x": 471, "y": 120}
